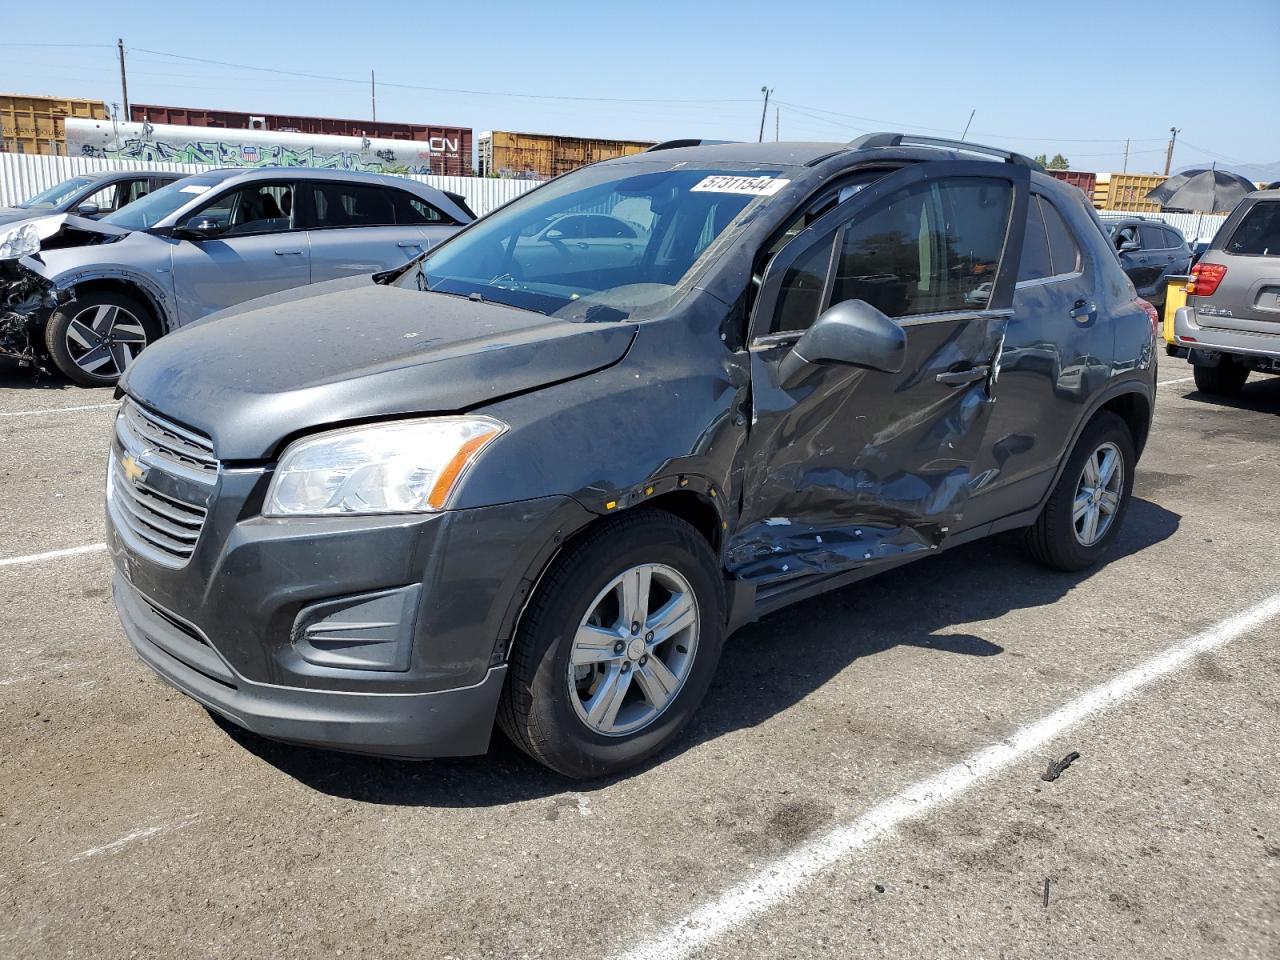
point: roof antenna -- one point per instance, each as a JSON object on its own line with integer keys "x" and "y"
{"x": 965, "y": 135}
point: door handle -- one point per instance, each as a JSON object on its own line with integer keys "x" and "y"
{"x": 409, "y": 243}
{"x": 1084, "y": 312}
{"x": 282, "y": 252}
{"x": 958, "y": 378}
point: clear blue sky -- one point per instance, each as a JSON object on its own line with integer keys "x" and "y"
{"x": 1076, "y": 77}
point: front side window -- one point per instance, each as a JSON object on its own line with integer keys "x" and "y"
{"x": 1259, "y": 232}
{"x": 603, "y": 243}
{"x": 107, "y": 199}
{"x": 258, "y": 208}
{"x": 159, "y": 204}
{"x": 351, "y": 205}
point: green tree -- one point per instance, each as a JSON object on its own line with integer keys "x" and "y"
{"x": 1059, "y": 162}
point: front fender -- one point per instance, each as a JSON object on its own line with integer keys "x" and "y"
{"x": 155, "y": 294}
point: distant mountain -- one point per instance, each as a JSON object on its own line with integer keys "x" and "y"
{"x": 1258, "y": 172}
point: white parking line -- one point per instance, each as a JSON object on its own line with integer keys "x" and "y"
{"x": 1165, "y": 383}
{"x": 35, "y": 413}
{"x": 52, "y": 555}
{"x": 785, "y": 877}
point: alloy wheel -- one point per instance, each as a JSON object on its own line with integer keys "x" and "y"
{"x": 104, "y": 339}
{"x": 1098, "y": 494}
{"x": 633, "y": 650}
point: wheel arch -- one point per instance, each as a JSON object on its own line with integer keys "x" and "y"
{"x": 130, "y": 286}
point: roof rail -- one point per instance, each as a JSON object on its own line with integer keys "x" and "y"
{"x": 911, "y": 139}
{"x": 676, "y": 144}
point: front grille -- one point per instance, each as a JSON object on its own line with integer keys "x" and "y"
{"x": 164, "y": 523}
{"x": 168, "y": 440}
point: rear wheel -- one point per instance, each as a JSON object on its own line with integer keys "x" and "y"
{"x": 617, "y": 648}
{"x": 1082, "y": 517}
{"x": 1224, "y": 380}
{"x": 95, "y": 337}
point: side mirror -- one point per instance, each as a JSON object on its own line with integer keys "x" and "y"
{"x": 852, "y": 333}
{"x": 202, "y": 228}
{"x": 88, "y": 209}
{"x": 1129, "y": 246}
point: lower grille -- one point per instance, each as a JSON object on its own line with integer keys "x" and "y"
{"x": 166, "y": 524}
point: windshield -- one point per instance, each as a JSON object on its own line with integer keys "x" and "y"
{"x": 58, "y": 193}
{"x": 604, "y": 243}
{"x": 154, "y": 207}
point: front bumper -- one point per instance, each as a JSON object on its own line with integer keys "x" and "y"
{"x": 443, "y": 723}
{"x": 1189, "y": 334}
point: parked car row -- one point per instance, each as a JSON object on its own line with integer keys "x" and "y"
{"x": 534, "y": 475}
{"x": 91, "y": 295}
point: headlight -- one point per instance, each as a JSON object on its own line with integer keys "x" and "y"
{"x": 410, "y": 466}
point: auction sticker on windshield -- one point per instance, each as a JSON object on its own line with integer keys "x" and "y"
{"x": 755, "y": 186}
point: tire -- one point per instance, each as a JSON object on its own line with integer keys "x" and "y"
{"x": 94, "y": 338}
{"x": 1224, "y": 380}
{"x": 544, "y": 712}
{"x": 1056, "y": 539}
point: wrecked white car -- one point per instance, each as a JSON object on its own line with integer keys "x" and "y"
{"x": 88, "y": 296}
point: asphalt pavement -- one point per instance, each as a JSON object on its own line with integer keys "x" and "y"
{"x": 865, "y": 778}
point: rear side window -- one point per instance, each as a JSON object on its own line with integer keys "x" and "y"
{"x": 1035, "y": 263}
{"x": 351, "y": 205}
{"x": 1063, "y": 248}
{"x": 1258, "y": 234}
{"x": 1152, "y": 237}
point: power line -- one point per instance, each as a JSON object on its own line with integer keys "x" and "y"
{"x": 414, "y": 86}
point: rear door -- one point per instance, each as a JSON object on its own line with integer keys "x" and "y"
{"x": 353, "y": 230}
{"x": 849, "y": 466}
{"x": 262, "y": 250}
{"x": 1158, "y": 257}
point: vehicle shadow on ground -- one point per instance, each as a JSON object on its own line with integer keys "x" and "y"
{"x": 1260, "y": 396}
{"x": 22, "y": 379}
{"x": 767, "y": 667}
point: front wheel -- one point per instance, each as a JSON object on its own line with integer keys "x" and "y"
{"x": 1083, "y": 514}
{"x": 617, "y": 648}
{"x": 95, "y": 337}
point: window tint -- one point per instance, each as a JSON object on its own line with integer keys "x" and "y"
{"x": 411, "y": 209}
{"x": 927, "y": 248}
{"x": 1063, "y": 248}
{"x": 1259, "y": 232}
{"x": 800, "y": 297}
{"x": 259, "y": 208}
{"x": 1035, "y": 263}
{"x": 1152, "y": 237}
{"x": 352, "y": 205}
{"x": 1172, "y": 239}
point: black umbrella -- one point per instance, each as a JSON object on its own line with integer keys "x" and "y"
{"x": 1202, "y": 191}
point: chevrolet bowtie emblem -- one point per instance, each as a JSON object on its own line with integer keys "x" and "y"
{"x": 132, "y": 468}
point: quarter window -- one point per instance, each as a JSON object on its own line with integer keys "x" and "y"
{"x": 1172, "y": 240}
{"x": 1063, "y": 249}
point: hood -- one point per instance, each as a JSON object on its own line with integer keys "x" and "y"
{"x": 17, "y": 214}
{"x": 254, "y": 376}
{"x": 61, "y": 231}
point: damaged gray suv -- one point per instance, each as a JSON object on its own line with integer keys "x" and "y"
{"x": 538, "y": 475}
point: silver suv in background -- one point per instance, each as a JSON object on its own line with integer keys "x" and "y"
{"x": 1231, "y": 323}
{"x": 100, "y": 292}
{"x": 89, "y": 195}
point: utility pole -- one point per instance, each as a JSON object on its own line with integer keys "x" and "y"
{"x": 1168, "y": 157}
{"x": 764, "y": 112}
{"x": 373, "y": 95}
{"x": 124, "y": 81}
{"x": 967, "y": 125}
{"x": 1126, "y": 155}
{"x": 777, "y": 125}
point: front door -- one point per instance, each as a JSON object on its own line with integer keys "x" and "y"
{"x": 847, "y": 466}
{"x": 261, "y": 251}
